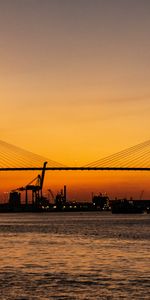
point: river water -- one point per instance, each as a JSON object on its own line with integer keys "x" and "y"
{"x": 74, "y": 256}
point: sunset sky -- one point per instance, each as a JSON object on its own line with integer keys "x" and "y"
{"x": 75, "y": 81}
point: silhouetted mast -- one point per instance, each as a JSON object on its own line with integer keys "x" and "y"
{"x": 42, "y": 176}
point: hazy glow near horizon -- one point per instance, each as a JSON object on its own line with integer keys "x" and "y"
{"x": 74, "y": 76}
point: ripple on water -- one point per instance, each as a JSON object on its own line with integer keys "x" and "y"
{"x": 74, "y": 256}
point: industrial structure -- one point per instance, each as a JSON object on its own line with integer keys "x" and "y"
{"x": 12, "y": 158}
{"x": 36, "y": 188}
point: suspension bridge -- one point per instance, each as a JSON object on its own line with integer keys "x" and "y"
{"x": 135, "y": 158}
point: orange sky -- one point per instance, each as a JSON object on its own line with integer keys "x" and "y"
{"x": 74, "y": 83}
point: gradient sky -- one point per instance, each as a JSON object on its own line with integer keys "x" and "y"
{"x": 74, "y": 76}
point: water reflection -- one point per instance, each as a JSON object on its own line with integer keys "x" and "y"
{"x": 74, "y": 256}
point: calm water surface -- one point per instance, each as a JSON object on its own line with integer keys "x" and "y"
{"x": 74, "y": 256}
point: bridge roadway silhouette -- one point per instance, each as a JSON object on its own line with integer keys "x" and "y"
{"x": 77, "y": 169}
{"x": 135, "y": 158}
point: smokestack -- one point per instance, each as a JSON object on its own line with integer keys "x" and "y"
{"x": 65, "y": 193}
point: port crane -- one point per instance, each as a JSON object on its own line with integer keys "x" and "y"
{"x": 35, "y": 186}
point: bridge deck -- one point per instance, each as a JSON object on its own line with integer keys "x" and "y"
{"x": 77, "y": 169}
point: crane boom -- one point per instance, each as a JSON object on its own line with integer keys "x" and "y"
{"x": 42, "y": 176}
